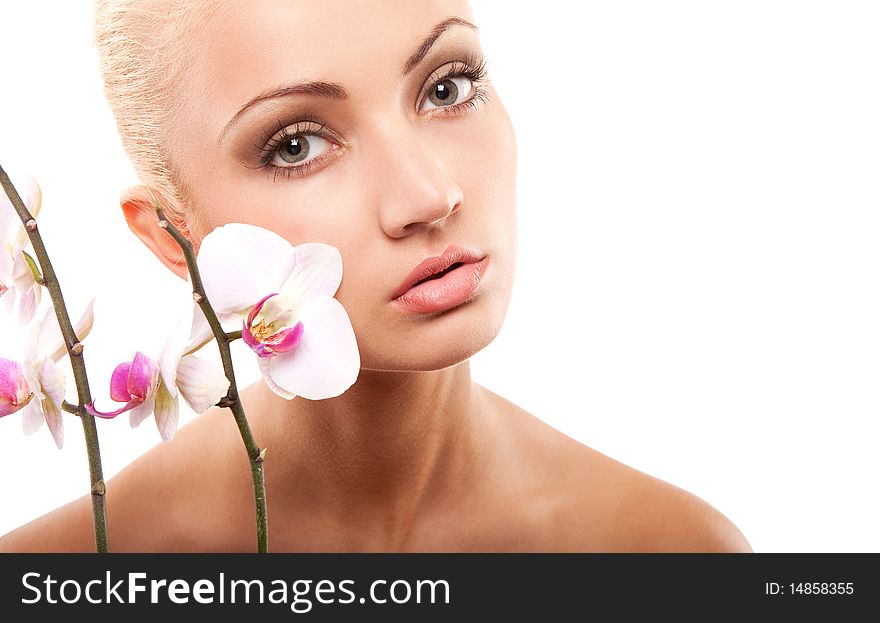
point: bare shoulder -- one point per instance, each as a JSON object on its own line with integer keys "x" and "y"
{"x": 656, "y": 516}
{"x": 156, "y": 503}
{"x": 647, "y": 514}
{"x": 596, "y": 503}
{"x": 176, "y": 497}
{"x": 65, "y": 529}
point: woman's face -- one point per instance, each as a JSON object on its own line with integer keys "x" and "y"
{"x": 396, "y": 156}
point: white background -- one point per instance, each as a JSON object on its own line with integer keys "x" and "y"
{"x": 699, "y": 208}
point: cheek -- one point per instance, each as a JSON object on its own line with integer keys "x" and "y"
{"x": 293, "y": 214}
{"x": 491, "y": 189}
{"x": 490, "y": 166}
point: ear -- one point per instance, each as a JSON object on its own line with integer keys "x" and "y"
{"x": 139, "y": 207}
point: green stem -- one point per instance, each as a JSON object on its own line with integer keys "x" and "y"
{"x": 77, "y": 363}
{"x": 231, "y": 400}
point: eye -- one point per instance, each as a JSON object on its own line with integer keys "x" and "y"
{"x": 297, "y": 148}
{"x": 458, "y": 86}
{"x": 448, "y": 92}
{"x": 293, "y": 150}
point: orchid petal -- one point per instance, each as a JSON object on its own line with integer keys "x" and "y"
{"x": 15, "y": 387}
{"x": 29, "y": 373}
{"x": 7, "y": 295}
{"x": 317, "y": 271}
{"x": 7, "y": 264}
{"x": 172, "y": 351}
{"x": 256, "y": 309}
{"x": 166, "y": 410}
{"x": 44, "y": 337}
{"x": 252, "y": 342}
{"x": 201, "y": 333}
{"x": 81, "y": 329}
{"x": 33, "y": 200}
{"x": 32, "y": 418}
{"x": 8, "y": 404}
{"x": 326, "y": 362}
{"x": 270, "y": 382}
{"x": 201, "y": 383}
{"x": 53, "y": 384}
{"x": 142, "y": 376}
{"x": 279, "y": 342}
{"x": 52, "y": 381}
{"x": 52, "y": 413}
{"x": 39, "y": 334}
{"x": 141, "y": 412}
{"x": 31, "y": 195}
{"x": 22, "y": 276}
{"x": 119, "y": 382}
{"x": 27, "y": 305}
{"x": 11, "y": 373}
{"x": 284, "y": 340}
{"x": 240, "y": 263}
{"x": 9, "y": 222}
{"x": 131, "y": 404}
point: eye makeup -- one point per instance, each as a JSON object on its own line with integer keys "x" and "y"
{"x": 473, "y": 67}
{"x": 284, "y": 133}
{"x": 295, "y": 132}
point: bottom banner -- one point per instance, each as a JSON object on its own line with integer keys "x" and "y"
{"x": 435, "y": 587}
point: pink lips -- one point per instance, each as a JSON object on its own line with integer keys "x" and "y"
{"x": 460, "y": 275}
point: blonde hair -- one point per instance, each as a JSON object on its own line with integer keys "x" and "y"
{"x": 143, "y": 47}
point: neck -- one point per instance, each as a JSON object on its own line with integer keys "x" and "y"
{"x": 390, "y": 445}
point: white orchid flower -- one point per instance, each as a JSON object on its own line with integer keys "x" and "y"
{"x": 283, "y": 298}
{"x": 45, "y": 383}
{"x": 16, "y": 275}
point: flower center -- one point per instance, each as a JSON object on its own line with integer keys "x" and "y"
{"x": 272, "y": 333}
{"x": 261, "y": 331}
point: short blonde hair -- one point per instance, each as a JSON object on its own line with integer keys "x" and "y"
{"x": 143, "y": 48}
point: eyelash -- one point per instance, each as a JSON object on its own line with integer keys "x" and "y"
{"x": 273, "y": 142}
{"x": 473, "y": 67}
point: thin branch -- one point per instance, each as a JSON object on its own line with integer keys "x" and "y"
{"x": 231, "y": 400}
{"x": 77, "y": 363}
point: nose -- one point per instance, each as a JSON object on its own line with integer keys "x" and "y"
{"x": 414, "y": 191}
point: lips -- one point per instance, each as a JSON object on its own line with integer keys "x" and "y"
{"x": 441, "y": 273}
{"x": 436, "y": 267}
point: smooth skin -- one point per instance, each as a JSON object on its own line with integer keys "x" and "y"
{"x": 415, "y": 456}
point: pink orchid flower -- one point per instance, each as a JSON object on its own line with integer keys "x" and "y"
{"x": 40, "y": 374}
{"x": 15, "y": 393}
{"x": 135, "y": 383}
{"x": 282, "y": 297}
{"x": 147, "y": 387}
{"x": 16, "y": 277}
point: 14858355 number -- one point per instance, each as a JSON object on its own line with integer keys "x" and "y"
{"x": 822, "y": 588}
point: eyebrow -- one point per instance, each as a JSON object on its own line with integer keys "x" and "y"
{"x": 429, "y": 41}
{"x": 333, "y": 90}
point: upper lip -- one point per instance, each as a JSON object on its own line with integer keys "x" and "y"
{"x": 435, "y": 264}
